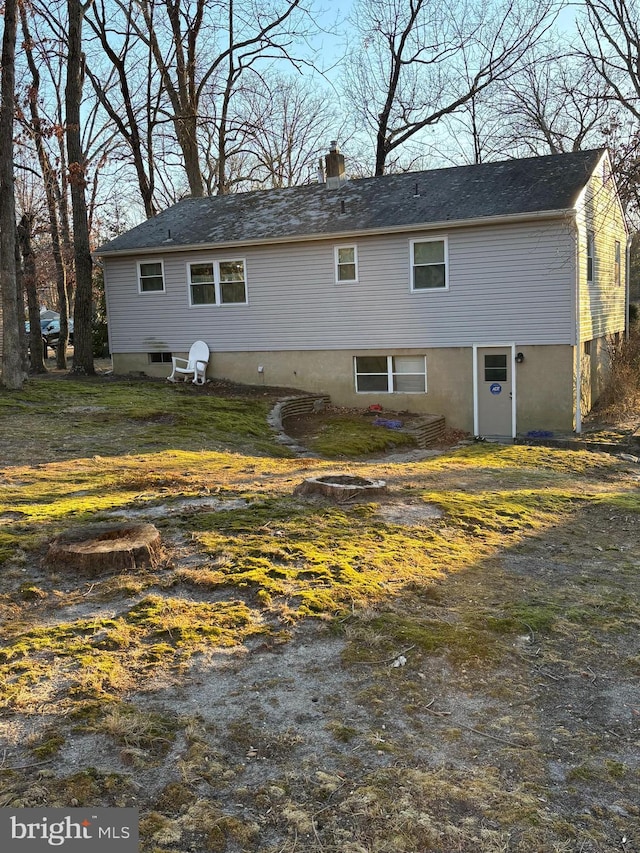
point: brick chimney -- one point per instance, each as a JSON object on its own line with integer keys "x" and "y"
{"x": 334, "y": 162}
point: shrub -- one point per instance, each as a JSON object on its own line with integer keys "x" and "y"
{"x": 622, "y": 394}
{"x": 100, "y": 339}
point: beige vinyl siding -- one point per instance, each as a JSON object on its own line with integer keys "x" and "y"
{"x": 505, "y": 283}
{"x": 602, "y": 301}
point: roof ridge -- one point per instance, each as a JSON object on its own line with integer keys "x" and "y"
{"x": 500, "y": 188}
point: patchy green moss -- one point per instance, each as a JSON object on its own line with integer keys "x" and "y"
{"x": 174, "y": 798}
{"x": 449, "y": 591}
{"x": 142, "y": 729}
{"x": 543, "y": 460}
{"x": 117, "y": 414}
{"x": 533, "y": 616}
{"x": 31, "y": 592}
{"x": 341, "y": 731}
{"x": 627, "y": 501}
{"x": 320, "y": 560}
{"x": 9, "y": 544}
{"x": 88, "y": 787}
{"x": 99, "y": 659}
{"x": 391, "y": 632}
{"x": 48, "y": 745}
{"x": 349, "y": 436}
{"x": 187, "y": 625}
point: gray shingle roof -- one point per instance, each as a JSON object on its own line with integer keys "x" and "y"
{"x": 510, "y": 187}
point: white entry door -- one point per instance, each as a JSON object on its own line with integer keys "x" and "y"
{"x": 494, "y": 391}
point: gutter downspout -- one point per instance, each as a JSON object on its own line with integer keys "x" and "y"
{"x": 578, "y": 384}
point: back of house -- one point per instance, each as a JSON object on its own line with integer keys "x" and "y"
{"x": 490, "y": 294}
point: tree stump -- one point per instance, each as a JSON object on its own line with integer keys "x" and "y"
{"x": 97, "y": 549}
{"x": 340, "y": 487}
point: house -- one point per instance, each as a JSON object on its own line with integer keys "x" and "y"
{"x": 491, "y": 294}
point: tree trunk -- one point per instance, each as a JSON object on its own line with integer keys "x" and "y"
{"x": 36, "y": 350}
{"x": 22, "y": 332}
{"x": 52, "y": 194}
{"x": 83, "y": 313}
{"x": 12, "y": 366}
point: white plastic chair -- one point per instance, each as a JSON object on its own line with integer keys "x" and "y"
{"x": 195, "y": 365}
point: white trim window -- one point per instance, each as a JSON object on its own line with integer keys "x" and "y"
{"x": 217, "y": 282}
{"x": 346, "y": 258}
{"x": 590, "y": 255}
{"x": 617, "y": 259}
{"x": 150, "y": 277}
{"x": 390, "y": 374}
{"x": 429, "y": 264}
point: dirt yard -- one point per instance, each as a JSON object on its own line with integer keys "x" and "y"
{"x": 452, "y": 666}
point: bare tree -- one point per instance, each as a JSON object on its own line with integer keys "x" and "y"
{"x": 12, "y": 366}
{"x": 554, "y": 104}
{"x": 228, "y": 34}
{"x": 288, "y": 125}
{"x": 130, "y": 99}
{"x": 609, "y": 33}
{"x": 622, "y": 136}
{"x": 418, "y": 61}
{"x": 49, "y": 50}
{"x": 77, "y": 167}
{"x": 39, "y": 130}
{"x": 610, "y": 38}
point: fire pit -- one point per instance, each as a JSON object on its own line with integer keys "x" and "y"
{"x": 96, "y": 549}
{"x": 340, "y": 486}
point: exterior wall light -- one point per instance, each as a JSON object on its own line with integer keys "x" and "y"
{"x": 519, "y": 358}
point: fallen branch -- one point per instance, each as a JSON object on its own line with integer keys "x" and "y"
{"x": 428, "y": 708}
{"x": 27, "y": 766}
{"x": 550, "y": 675}
{"x": 315, "y": 832}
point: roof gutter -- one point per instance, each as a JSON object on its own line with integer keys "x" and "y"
{"x": 445, "y": 224}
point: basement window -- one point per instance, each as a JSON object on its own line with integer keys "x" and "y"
{"x": 160, "y": 358}
{"x": 390, "y": 374}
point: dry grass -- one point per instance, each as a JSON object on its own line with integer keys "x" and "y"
{"x": 304, "y": 676}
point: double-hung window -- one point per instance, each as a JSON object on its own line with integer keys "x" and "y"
{"x": 150, "y": 277}
{"x": 387, "y": 374}
{"x": 429, "y": 264}
{"x": 346, "y": 263}
{"x": 217, "y": 283}
{"x": 590, "y": 255}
